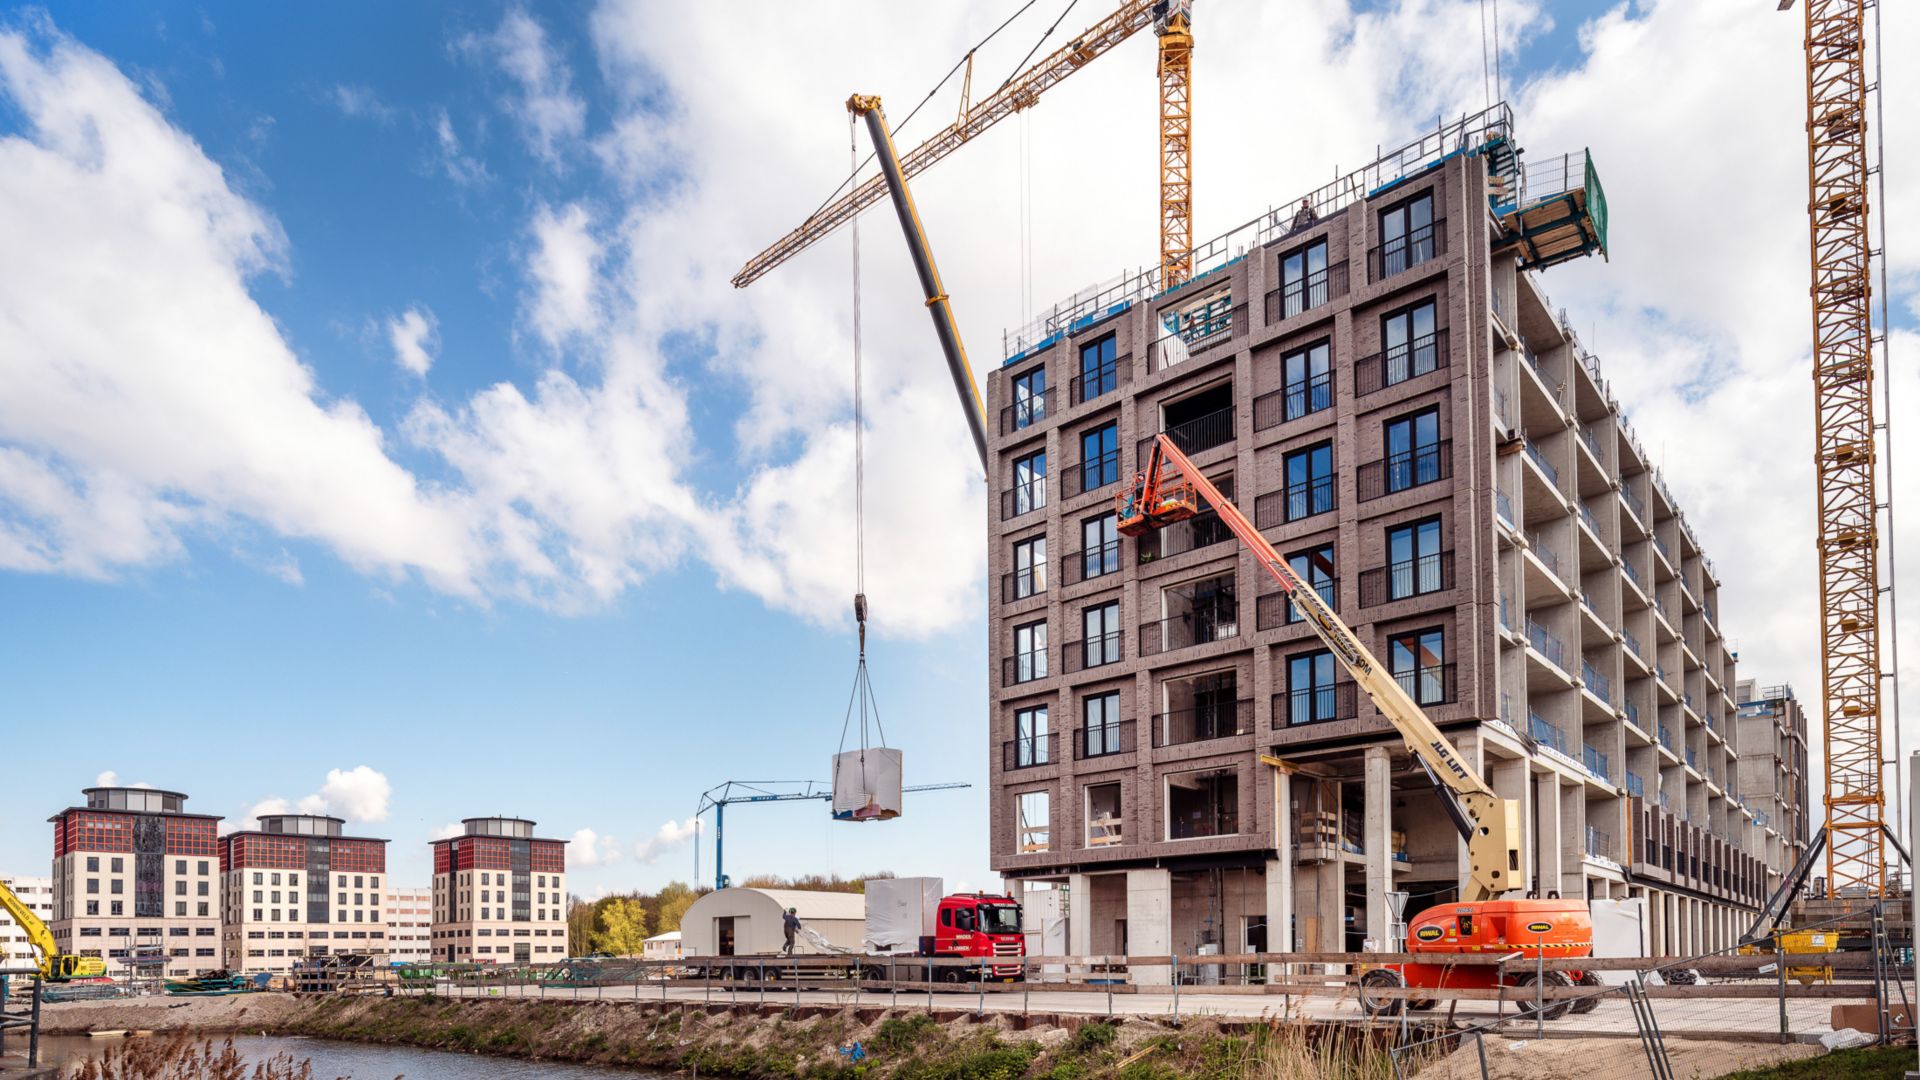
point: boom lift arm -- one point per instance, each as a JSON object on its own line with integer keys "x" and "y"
{"x": 1171, "y": 489}
{"x": 54, "y": 966}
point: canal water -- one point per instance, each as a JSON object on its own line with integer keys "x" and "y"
{"x": 360, "y": 1061}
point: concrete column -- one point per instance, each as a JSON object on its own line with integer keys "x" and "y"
{"x": 1150, "y": 923}
{"x": 1079, "y": 915}
{"x": 1573, "y": 841}
{"x": 1280, "y": 871}
{"x": 1377, "y": 827}
{"x": 1546, "y": 831}
{"x": 1508, "y": 778}
{"x": 1656, "y": 922}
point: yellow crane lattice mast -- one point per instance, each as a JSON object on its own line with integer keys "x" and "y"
{"x": 1171, "y": 19}
{"x": 1837, "y": 179}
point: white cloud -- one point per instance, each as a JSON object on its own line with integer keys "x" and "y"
{"x": 110, "y": 778}
{"x": 250, "y": 821}
{"x": 589, "y": 848}
{"x": 360, "y": 102}
{"x": 415, "y": 336}
{"x": 360, "y": 794}
{"x": 461, "y": 168}
{"x": 543, "y": 100}
{"x": 448, "y": 831}
{"x": 670, "y": 836}
{"x": 563, "y": 267}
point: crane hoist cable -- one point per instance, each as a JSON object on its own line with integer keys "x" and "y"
{"x": 862, "y": 700}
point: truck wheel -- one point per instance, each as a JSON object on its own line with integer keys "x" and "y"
{"x": 951, "y": 975}
{"x": 1381, "y": 979}
{"x": 1553, "y": 1010}
{"x": 1591, "y": 1002}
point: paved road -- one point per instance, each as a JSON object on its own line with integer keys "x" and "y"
{"x": 1734, "y": 1016}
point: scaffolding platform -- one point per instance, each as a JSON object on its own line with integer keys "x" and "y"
{"x": 1558, "y": 212}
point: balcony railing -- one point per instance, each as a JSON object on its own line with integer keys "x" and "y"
{"x": 1276, "y": 609}
{"x": 1200, "y": 433}
{"x": 1293, "y": 401}
{"x": 1020, "y": 584}
{"x": 1592, "y": 440}
{"x": 1666, "y": 736}
{"x": 1181, "y": 537}
{"x": 1661, "y": 546}
{"x": 1633, "y": 575}
{"x": 1315, "y": 704}
{"x": 1634, "y": 502}
{"x": 1023, "y": 413}
{"x": 1090, "y": 475}
{"x": 1023, "y": 498}
{"x": 1598, "y": 684}
{"x": 1421, "y": 245}
{"x": 1030, "y": 751}
{"x": 1506, "y": 614}
{"x": 1303, "y": 499}
{"x": 1302, "y": 295}
{"x": 1636, "y": 787}
{"x": 1089, "y": 563}
{"x": 1595, "y": 761}
{"x": 1429, "y": 685}
{"x": 1632, "y": 643}
{"x": 1545, "y": 733}
{"x": 1544, "y": 552}
{"x": 1535, "y": 455}
{"x": 1410, "y": 360}
{"x": 1633, "y": 714}
{"x": 1546, "y": 644}
{"x": 1692, "y": 763}
{"x": 1503, "y": 505}
{"x": 1102, "y": 380}
{"x": 1096, "y": 651}
{"x": 1412, "y": 577}
{"x": 1102, "y": 740}
{"x": 1408, "y": 469}
{"x": 1599, "y": 843}
{"x": 1202, "y": 723}
{"x": 1023, "y": 667}
{"x": 1219, "y": 621}
{"x": 1586, "y": 515}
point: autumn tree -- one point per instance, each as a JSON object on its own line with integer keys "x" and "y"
{"x": 672, "y": 903}
{"x": 625, "y": 921}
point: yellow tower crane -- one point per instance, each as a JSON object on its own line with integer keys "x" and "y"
{"x": 1171, "y": 20}
{"x": 1849, "y": 538}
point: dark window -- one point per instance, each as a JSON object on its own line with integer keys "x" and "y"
{"x": 1030, "y": 397}
{"x": 1303, "y": 279}
{"x": 1101, "y": 716}
{"x": 1102, "y": 626}
{"x": 1413, "y": 559}
{"x": 1098, "y": 370}
{"x": 1203, "y": 804}
{"x": 1315, "y": 566}
{"x": 93, "y": 864}
{"x": 1099, "y": 457}
{"x": 1099, "y": 546}
{"x": 1030, "y": 567}
{"x": 1310, "y": 689}
{"x": 1407, "y": 235}
{"x": 1030, "y": 652}
{"x": 1413, "y": 450}
{"x": 1418, "y": 662}
{"x": 1030, "y": 737}
{"x": 1309, "y": 481}
{"x": 1030, "y": 482}
{"x": 1309, "y": 375}
{"x": 1410, "y": 344}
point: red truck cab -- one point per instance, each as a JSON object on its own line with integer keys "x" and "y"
{"x": 980, "y": 925}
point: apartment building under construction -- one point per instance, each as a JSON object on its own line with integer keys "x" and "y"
{"x": 1374, "y": 374}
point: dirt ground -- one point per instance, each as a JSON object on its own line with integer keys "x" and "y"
{"x": 1609, "y": 1059}
{"x": 238, "y": 1012}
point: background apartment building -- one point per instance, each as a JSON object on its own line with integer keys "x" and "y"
{"x": 1773, "y": 768}
{"x": 409, "y": 924}
{"x": 133, "y": 877}
{"x": 499, "y": 894}
{"x": 1380, "y": 382}
{"x": 37, "y": 894}
{"x": 296, "y": 887}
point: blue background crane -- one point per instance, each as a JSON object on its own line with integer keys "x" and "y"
{"x": 764, "y": 791}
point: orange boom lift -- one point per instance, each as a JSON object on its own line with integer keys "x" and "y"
{"x": 1170, "y": 489}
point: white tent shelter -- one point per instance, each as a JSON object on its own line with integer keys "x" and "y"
{"x": 747, "y": 922}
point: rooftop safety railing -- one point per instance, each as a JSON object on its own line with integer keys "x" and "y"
{"x": 1090, "y": 305}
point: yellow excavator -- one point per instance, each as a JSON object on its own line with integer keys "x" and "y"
{"x": 55, "y": 966}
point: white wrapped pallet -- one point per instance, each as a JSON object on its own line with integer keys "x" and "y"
{"x": 901, "y": 911}
{"x": 866, "y": 785}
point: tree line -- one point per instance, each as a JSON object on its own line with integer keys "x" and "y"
{"x": 620, "y": 924}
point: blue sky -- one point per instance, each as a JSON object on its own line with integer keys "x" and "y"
{"x": 376, "y": 399}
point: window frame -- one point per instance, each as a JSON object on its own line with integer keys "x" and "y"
{"x": 1104, "y": 376}
{"x": 1035, "y": 571}
{"x": 1031, "y": 408}
{"x": 1030, "y": 494}
{"x": 1401, "y": 215}
{"x": 1410, "y": 469}
{"x": 1415, "y": 531}
{"x": 1413, "y": 644}
{"x": 1305, "y": 389}
{"x": 1407, "y": 317}
{"x": 1312, "y": 481}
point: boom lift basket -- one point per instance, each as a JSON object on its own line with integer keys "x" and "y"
{"x": 1158, "y": 497}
